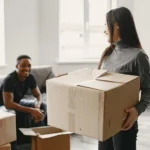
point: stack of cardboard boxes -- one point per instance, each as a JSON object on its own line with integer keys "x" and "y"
{"x": 7, "y": 130}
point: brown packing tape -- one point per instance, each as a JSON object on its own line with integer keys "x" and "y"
{"x": 71, "y": 102}
{"x": 72, "y": 107}
{"x": 101, "y": 115}
{"x": 71, "y": 121}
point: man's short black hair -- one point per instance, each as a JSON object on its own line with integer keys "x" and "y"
{"x": 22, "y": 57}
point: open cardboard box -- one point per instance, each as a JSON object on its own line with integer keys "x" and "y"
{"x": 5, "y": 147}
{"x": 91, "y": 102}
{"x": 7, "y": 127}
{"x": 48, "y": 138}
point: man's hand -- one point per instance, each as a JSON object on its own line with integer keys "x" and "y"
{"x": 131, "y": 118}
{"x": 37, "y": 114}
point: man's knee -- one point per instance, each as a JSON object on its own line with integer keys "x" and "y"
{"x": 27, "y": 103}
{"x": 43, "y": 107}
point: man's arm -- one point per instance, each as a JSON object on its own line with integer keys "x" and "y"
{"x": 8, "y": 96}
{"x": 37, "y": 94}
{"x": 9, "y": 104}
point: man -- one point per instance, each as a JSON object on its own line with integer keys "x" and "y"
{"x": 14, "y": 88}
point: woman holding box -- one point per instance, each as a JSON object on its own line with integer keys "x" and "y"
{"x": 125, "y": 55}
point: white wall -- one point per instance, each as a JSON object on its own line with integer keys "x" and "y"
{"x": 141, "y": 12}
{"x": 2, "y": 38}
{"x": 125, "y": 3}
{"x": 21, "y": 31}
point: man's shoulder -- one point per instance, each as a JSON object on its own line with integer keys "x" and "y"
{"x": 10, "y": 77}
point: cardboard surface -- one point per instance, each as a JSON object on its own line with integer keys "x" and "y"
{"x": 89, "y": 106}
{"x": 100, "y": 85}
{"x": 7, "y": 127}
{"x": 5, "y": 147}
{"x": 48, "y": 138}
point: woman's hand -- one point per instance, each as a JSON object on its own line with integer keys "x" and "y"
{"x": 131, "y": 118}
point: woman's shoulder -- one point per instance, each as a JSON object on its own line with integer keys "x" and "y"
{"x": 138, "y": 52}
{"x": 141, "y": 52}
{"x": 141, "y": 55}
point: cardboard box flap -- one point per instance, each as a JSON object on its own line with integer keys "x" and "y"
{"x": 100, "y": 85}
{"x": 53, "y": 135}
{"x": 43, "y": 132}
{"x": 28, "y": 131}
{"x": 116, "y": 77}
{"x": 82, "y": 72}
{"x": 89, "y": 73}
{"x": 78, "y": 76}
{"x": 46, "y": 130}
{"x": 69, "y": 79}
{"x": 98, "y": 73}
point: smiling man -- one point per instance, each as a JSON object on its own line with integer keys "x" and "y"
{"x": 15, "y": 87}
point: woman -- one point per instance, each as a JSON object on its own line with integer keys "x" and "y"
{"x": 125, "y": 55}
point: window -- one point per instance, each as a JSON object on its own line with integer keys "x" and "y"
{"x": 2, "y": 39}
{"x": 82, "y": 28}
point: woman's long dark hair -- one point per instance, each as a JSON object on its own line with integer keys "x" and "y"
{"x": 128, "y": 34}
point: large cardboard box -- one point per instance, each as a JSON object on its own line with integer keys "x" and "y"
{"x": 91, "y": 102}
{"x": 7, "y": 127}
{"x": 48, "y": 138}
{"x": 5, "y": 147}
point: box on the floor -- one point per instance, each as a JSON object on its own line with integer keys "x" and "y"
{"x": 7, "y": 127}
{"x": 91, "y": 102}
{"x": 5, "y": 147}
{"x": 46, "y": 138}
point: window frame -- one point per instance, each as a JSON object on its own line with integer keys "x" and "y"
{"x": 83, "y": 55}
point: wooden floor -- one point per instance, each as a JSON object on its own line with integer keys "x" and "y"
{"x": 143, "y": 140}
